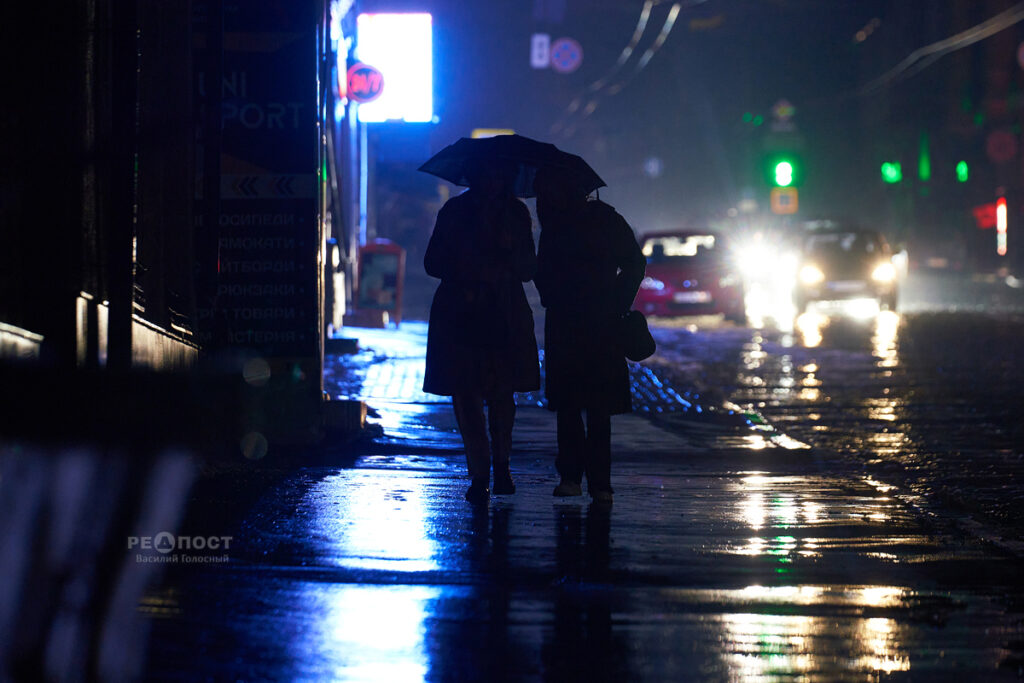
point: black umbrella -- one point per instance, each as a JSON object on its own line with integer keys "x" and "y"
{"x": 452, "y": 162}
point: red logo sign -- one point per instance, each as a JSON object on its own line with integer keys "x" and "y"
{"x": 365, "y": 83}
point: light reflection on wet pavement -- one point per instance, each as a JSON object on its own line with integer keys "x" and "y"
{"x": 382, "y": 572}
{"x": 726, "y": 556}
{"x": 928, "y": 403}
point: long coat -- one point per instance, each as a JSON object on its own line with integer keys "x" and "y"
{"x": 589, "y": 270}
{"x": 480, "y": 340}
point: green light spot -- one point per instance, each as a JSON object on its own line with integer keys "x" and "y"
{"x": 891, "y": 172}
{"x": 979, "y": 119}
{"x": 784, "y": 174}
{"x": 962, "y": 172}
{"x": 747, "y": 117}
{"x": 758, "y": 120}
{"x": 924, "y": 159}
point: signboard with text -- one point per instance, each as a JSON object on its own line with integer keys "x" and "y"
{"x": 258, "y": 227}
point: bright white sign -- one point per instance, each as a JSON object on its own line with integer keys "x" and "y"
{"x": 400, "y": 46}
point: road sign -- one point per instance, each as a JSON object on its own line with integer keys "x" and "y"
{"x": 566, "y": 55}
{"x": 783, "y": 110}
{"x": 784, "y": 200}
{"x": 540, "y": 51}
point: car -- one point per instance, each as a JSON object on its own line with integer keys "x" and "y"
{"x": 690, "y": 272}
{"x": 842, "y": 265}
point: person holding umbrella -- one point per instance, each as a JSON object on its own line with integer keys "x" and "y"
{"x": 589, "y": 271}
{"x": 480, "y": 342}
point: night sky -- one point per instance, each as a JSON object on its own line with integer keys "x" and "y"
{"x": 682, "y": 116}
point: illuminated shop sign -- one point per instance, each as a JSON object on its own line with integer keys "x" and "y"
{"x": 400, "y": 47}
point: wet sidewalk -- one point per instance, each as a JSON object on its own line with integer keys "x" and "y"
{"x": 729, "y": 554}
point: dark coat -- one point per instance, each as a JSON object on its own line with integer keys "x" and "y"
{"x": 589, "y": 270}
{"x": 480, "y": 340}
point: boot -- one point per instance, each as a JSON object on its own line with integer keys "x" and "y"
{"x": 568, "y": 488}
{"x": 503, "y": 484}
{"x": 501, "y": 449}
{"x": 478, "y": 493}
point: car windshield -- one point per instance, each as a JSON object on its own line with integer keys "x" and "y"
{"x": 677, "y": 248}
{"x": 843, "y": 244}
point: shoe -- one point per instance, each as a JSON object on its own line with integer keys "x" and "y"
{"x": 568, "y": 488}
{"x": 604, "y": 497}
{"x": 503, "y": 484}
{"x": 478, "y": 493}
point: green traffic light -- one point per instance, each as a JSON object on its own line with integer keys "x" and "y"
{"x": 891, "y": 172}
{"x": 962, "y": 172}
{"x": 924, "y": 160}
{"x": 784, "y": 174}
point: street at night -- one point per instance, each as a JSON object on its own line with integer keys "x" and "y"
{"x": 854, "y": 517}
{"x": 562, "y": 340}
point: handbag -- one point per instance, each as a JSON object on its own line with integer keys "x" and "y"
{"x": 635, "y": 337}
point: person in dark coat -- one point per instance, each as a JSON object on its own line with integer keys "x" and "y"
{"x": 589, "y": 270}
{"x": 480, "y": 343}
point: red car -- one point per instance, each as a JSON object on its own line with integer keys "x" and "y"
{"x": 690, "y": 273}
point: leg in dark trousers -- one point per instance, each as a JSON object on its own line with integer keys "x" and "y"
{"x": 501, "y": 415}
{"x": 599, "y": 451}
{"x": 572, "y": 442}
{"x": 469, "y": 413}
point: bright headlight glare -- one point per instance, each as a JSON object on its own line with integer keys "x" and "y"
{"x": 884, "y": 272}
{"x": 811, "y": 275}
{"x": 652, "y": 283}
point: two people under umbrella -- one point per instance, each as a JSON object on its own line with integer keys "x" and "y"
{"x": 481, "y": 347}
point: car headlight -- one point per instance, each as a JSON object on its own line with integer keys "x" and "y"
{"x": 811, "y": 275}
{"x": 652, "y": 283}
{"x": 884, "y": 272}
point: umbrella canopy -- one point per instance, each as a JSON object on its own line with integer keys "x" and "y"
{"x": 527, "y": 154}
